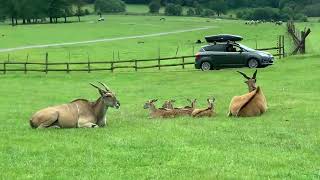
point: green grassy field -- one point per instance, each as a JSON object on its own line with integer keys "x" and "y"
{"x": 124, "y": 26}
{"x": 283, "y": 143}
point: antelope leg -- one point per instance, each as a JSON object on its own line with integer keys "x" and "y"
{"x": 88, "y": 125}
{"x": 49, "y": 121}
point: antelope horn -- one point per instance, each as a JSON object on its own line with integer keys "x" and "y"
{"x": 106, "y": 87}
{"x": 255, "y": 74}
{"x": 244, "y": 75}
{"x": 213, "y": 99}
{"x": 96, "y": 87}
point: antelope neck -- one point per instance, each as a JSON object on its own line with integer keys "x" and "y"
{"x": 100, "y": 108}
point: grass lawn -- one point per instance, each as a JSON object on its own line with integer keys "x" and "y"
{"x": 283, "y": 143}
{"x": 123, "y": 26}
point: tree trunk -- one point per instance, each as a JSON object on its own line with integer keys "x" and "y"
{"x": 56, "y": 20}
{"x": 12, "y": 21}
{"x": 50, "y": 19}
{"x": 65, "y": 19}
{"x": 16, "y": 21}
{"x": 79, "y": 18}
{"x": 23, "y": 21}
{"x": 29, "y": 21}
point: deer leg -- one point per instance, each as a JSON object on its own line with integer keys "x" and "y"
{"x": 49, "y": 121}
{"x": 88, "y": 125}
{"x": 84, "y": 123}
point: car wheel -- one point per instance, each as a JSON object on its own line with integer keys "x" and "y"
{"x": 206, "y": 66}
{"x": 253, "y": 63}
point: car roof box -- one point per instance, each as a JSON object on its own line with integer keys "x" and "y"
{"x": 223, "y": 38}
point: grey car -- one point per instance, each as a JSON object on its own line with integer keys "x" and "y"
{"x": 231, "y": 54}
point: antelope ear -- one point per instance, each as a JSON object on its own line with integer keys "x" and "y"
{"x": 154, "y": 100}
{"x": 173, "y": 100}
{"x": 213, "y": 99}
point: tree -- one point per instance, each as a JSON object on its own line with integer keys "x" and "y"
{"x": 173, "y": 10}
{"x": 154, "y": 6}
{"x": 190, "y": 12}
{"x": 109, "y": 6}
{"x": 79, "y": 12}
{"x": 219, "y": 6}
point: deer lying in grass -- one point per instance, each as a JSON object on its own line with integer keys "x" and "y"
{"x": 187, "y": 110}
{"x": 205, "y": 112}
{"x": 251, "y": 104}
{"x": 158, "y": 113}
{"x": 78, "y": 113}
{"x": 168, "y": 104}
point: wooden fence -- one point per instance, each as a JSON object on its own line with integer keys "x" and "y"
{"x": 299, "y": 37}
{"x": 111, "y": 66}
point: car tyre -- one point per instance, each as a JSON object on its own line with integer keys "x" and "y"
{"x": 206, "y": 66}
{"x": 253, "y": 63}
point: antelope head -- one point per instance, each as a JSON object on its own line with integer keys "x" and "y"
{"x": 108, "y": 97}
{"x": 168, "y": 104}
{"x": 211, "y": 101}
{"x": 251, "y": 82}
{"x": 150, "y": 104}
{"x": 193, "y": 103}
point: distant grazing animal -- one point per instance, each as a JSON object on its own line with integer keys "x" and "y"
{"x": 79, "y": 113}
{"x": 251, "y": 104}
{"x": 163, "y": 19}
{"x": 279, "y": 23}
{"x": 205, "y": 112}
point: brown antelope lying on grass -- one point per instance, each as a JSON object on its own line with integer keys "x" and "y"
{"x": 187, "y": 110}
{"x": 158, "y": 112}
{"x": 205, "y": 112}
{"x": 78, "y": 113}
{"x": 167, "y": 110}
{"x": 251, "y": 104}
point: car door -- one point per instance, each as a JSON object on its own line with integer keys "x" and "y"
{"x": 219, "y": 55}
{"x": 235, "y": 57}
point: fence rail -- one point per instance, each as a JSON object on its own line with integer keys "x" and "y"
{"x": 135, "y": 64}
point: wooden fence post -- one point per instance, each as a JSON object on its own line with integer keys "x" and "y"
{"x": 136, "y": 65}
{"x": 46, "y": 63}
{"x": 283, "y": 50}
{"x": 25, "y": 68}
{"x": 89, "y": 67}
{"x": 159, "y": 58}
{"x": 68, "y": 70}
{"x": 111, "y": 66}
{"x": 279, "y": 46}
{"x": 4, "y": 67}
{"x": 182, "y": 62}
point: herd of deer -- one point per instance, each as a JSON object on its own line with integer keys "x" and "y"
{"x": 82, "y": 113}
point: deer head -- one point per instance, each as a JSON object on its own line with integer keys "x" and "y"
{"x": 251, "y": 82}
{"x": 193, "y": 103}
{"x": 150, "y": 104}
{"x": 168, "y": 104}
{"x": 108, "y": 97}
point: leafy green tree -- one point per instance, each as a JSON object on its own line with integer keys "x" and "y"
{"x": 173, "y": 10}
{"x": 190, "y": 12}
{"x": 154, "y": 6}
{"x": 79, "y": 12}
{"x": 109, "y": 6}
{"x": 219, "y": 6}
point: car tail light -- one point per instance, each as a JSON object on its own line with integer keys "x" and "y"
{"x": 198, "y": 56}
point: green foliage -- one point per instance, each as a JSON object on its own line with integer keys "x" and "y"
{"x": 207, "y": 13}
{"x": 109, "y": 6}
{"x": 191, "y": 12}
{"x": 173, "y": 10}
{"x": 312, "y": 10}
{"x": 154, "y": 6}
